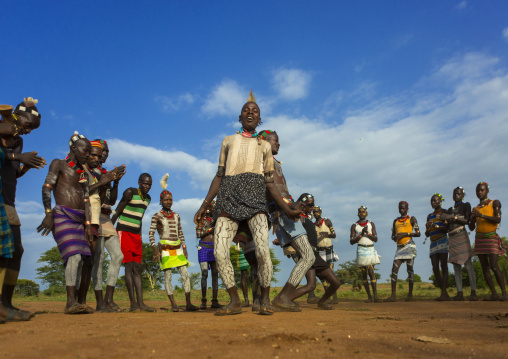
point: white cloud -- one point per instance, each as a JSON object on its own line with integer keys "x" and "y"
{"x": 225, "y": 99}
{"x": 174, "y": 104}
{"x": 461, "y": 5}
{"x": 199, "y": 170}
{"x": 291, "y": 84}
{"x": 505, "y": 33}
{"x": 403, "y": 147}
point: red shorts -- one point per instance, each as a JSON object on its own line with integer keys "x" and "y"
{"x": 130, "y": 244}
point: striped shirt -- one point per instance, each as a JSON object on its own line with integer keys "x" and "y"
{"x": 169, "y": 229}
{"x": 130, "y": 219}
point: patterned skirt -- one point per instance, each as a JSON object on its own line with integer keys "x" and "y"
{"x": 172, "y": 258}
{"x": 407, "y": 251}
{"x": 205, "y": 252}
{"x": 489, "y": 243}
{"x": 367, "y": 256}
{"x": 459, "y": 246}
{"x": 242, "y": 261}
{"x": 6, "y": 236}
{"x": 69, "y": 232}
{"x": 241, "y": 196}
{"x": 440, "y": 245}
{"x": 328, "y": 254}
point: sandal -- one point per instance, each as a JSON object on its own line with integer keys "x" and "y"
{"x": 225, "y": 310}
{"x": 266, "y": 309}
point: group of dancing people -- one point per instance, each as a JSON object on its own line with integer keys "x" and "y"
{"x": 247, "y": 196}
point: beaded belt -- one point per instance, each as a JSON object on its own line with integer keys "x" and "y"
{"x": 167, "y": 247}
{"x": 457, "y": 230}
{"x": 365, "y": 245}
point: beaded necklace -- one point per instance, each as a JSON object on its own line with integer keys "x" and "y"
{"x": 244, "y": 133}
{"x": 103, "y": 170}
{"x": 484, "y": 203}
{"x": 279, "y": 162}
{"x": 403, "y": 219}
{"x": 363, "y": 224}
{"x": 320, "y": 223}
{"x": 141, "y": 195}
{"x": 75, "y": 166}
{"x": 166, "y": 214}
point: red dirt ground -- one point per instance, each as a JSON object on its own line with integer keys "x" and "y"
{"x": 352, "y": 329}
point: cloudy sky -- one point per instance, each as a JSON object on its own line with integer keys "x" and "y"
{"x": 374, "y": 102}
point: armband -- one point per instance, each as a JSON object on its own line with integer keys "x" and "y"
{"x": 221, "y": 171}
{"x": 48, "y": 211}
{"x": 332, "y": 230}
{"x": 48, "y": 185}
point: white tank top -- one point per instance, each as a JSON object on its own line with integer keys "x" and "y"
{"x": 365, "y": 241}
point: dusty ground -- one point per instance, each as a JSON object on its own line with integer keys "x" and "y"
{"x": 471, "y": 330}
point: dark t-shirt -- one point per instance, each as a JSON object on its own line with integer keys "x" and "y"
{"x": 9, "y": 172}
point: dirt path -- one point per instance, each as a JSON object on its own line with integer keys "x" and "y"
{"x": 471, "y": 330}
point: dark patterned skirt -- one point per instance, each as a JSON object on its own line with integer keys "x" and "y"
{"x": 241, "y": 196}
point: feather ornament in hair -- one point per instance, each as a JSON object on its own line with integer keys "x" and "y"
{"x": 251, "y": 98}
{"x": 164, "y": 181}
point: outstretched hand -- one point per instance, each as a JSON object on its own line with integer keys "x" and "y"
{"x": 31, "y": 160}
{"x": 199, "y": 216}
{"x": 47, "y": 225}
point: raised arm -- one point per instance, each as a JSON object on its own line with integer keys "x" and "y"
{"x": 329, "y": 224}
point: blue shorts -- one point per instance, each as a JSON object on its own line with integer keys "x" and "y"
{"x": 287, "y": 229}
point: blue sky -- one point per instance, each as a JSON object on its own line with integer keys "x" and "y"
{"x": 374, "y": 102}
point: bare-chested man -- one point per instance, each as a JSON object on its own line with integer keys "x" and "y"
{"x": 289, "y": 232}
{"x": 244, "y": 175}
{"x": 319, "y": 268}
{"x": 403, "y": 230}
{"x": 108, "y": 237}
{"x": 488, "y": 246}
{"x": 363, "y": 233}
{"x": 26, "y": 117}
{"x": 460, "y": 252}
{"x": 130, "y": 212}
{"x": 69, "y": 181}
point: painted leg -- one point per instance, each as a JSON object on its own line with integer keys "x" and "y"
{"x": 305, "y": 260}
{"x": 411, "y": 279}
{"x": 393, "y": 277}
{"x": 457, "y": 269}
{"x": 365, "y": 282}
{"x": 204, "y": 283}
{"x": 225, "y": 230}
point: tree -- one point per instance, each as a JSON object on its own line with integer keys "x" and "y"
{"x": 52, "y": 272}
{"x": 152, "y": 274}
{"x": 349, "y": 273}
{"x": 26, "y": 288}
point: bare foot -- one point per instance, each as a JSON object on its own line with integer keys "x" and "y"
{"x": 393, "y": 298}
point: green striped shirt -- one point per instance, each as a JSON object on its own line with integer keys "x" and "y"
{"x": 130, "y": 219}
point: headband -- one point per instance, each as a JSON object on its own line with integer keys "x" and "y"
{"x": 75, "y": 138}
{"x": 439, "y": 195}
{"x": 96, "y": 143}
{"x": 29, "y": 109}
